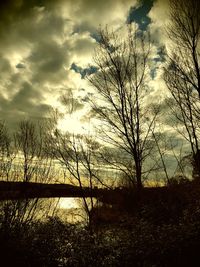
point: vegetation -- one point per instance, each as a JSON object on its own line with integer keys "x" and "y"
{"x": 132, "y": 225}
{"x": 162, "y": 229}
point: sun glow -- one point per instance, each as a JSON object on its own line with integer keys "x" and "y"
{"x": 68, "y": 203}
{"x": 75, "y": 124}
{"x": 71, "y": 124}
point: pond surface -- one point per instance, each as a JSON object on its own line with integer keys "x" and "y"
{"x": 72, "y": 209}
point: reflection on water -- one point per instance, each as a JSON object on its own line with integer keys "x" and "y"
{"x": 72, "y": 209}
{"x": 69, "y": 203}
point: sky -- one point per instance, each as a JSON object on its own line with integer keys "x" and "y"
{"x": 47, "y": 48}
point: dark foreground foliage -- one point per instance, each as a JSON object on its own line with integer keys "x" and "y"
{"x": 142, "y": 238}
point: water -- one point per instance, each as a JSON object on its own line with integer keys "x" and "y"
{"x": 72, "y": 210}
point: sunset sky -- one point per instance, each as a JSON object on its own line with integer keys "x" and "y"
{"x": 47, "y": 47}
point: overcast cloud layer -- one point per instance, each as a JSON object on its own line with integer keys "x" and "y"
{"x": 47, "y": 45}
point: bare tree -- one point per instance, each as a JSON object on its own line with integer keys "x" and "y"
{"x": 28, "y": 163}
{"x": 76, "y": 153}
{"x": 121, "y": 83}
{"x": 27, "y": 142}
{"x": 7, "y": 153}
{"x": 182, "y": 74}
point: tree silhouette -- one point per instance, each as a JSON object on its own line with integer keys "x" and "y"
{"x": 121, "y": 84}
{"x": 182, "y": 74}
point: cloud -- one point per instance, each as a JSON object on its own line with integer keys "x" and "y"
{"x": 40, "y": 42}
{"x": 20, "y": 66}
{"x": 89, "y": 15}
{"x": 47, "y": 45}
{"x": 4, "y": 65}
{"x": 159, "y": 15}
{"x": 82, "y": 48}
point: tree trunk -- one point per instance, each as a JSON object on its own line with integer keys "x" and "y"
{"x": 196, "y": 165}
{"x": 138, "y": 169}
